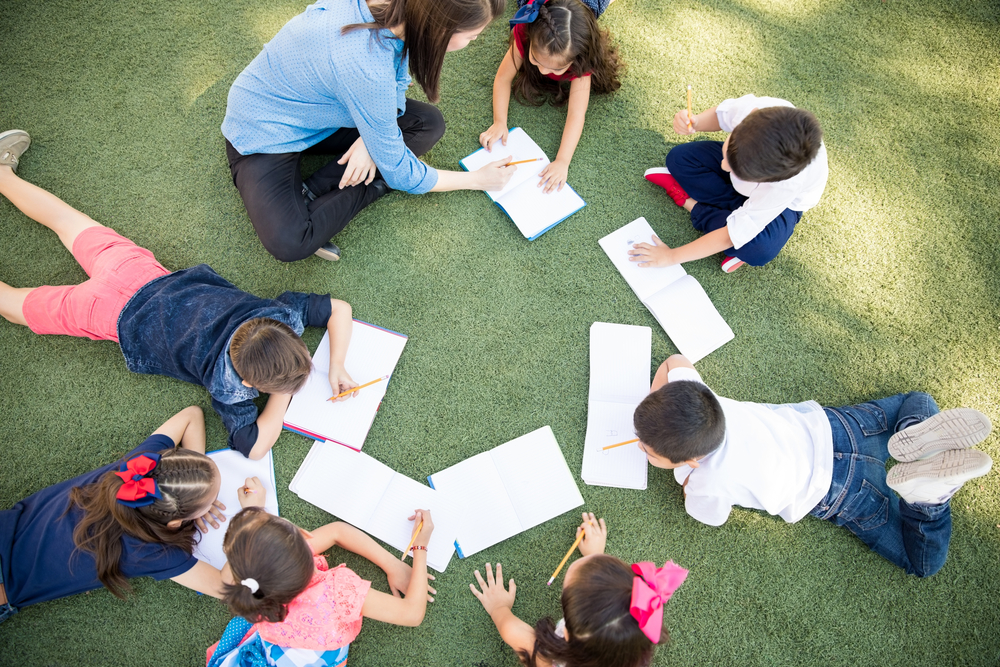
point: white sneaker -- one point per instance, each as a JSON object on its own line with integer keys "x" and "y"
{"x": 935, "y": 480}
{"x": 959, "y": 428}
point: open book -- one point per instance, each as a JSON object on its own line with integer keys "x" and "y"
{"x": 373, "y": 353}
{"x": 619, "y": 380}
{"x": 507, "y": 490}
{"x": 235, "y": 468}
{"x": 371, "y": 496}
{"x": 532, "y": 210}
{"x": 677, "y": 300}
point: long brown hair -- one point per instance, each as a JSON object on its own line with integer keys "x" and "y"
{"x": 185, "y": 478}
{"x": 567, "y": 29}
{"x": 428, "y": 27}
{"x": 273, "y": 552}
{"x": 602, "y": 632}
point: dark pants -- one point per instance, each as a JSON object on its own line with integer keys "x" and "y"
{"x": 290, "y": 226}
{"x": 697, "y": 166}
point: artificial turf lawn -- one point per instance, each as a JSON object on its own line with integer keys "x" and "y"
{"x": 889, "y": 285}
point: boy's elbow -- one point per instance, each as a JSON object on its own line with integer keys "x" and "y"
{"x": 340, "y": 308}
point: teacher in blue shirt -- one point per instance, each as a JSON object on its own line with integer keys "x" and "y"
{"x": 333, "y": 81}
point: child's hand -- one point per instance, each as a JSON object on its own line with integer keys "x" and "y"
{"x": 341, "y": 381}
{"x": 252, "y": 493}
{"x": 595, "y": 534}
{"x": 424, "y": 537}
{"x": 360, "y": 166}
{"x": 681, "y": 120}
{"x": 399, "y": 574}
{"x": 496, "y": 132}
{"x": 493, "y": 595}
{"x": 658, "y": 254}
{"x": 213, "y": 517}
{"x": 554, "y": 175}
{"x": 494, "y": 176}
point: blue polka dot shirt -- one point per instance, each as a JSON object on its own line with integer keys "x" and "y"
{"x": 309, "y": 81}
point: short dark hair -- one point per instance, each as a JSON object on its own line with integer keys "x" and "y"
{"x": 773, "y": 144}
{"x": 680, "y": 421}
{"x": 270, "y": 356}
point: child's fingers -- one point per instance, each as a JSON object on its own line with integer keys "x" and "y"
{"x": 513, "y": 588}
{"x": 604, "y": 526}
{"x": 499, "y": 574}
{"x": 432, "y": 591}
{"x": 479, "y": 578}
{"x": 489, "y": 575}
{"x": 475, "y": 591}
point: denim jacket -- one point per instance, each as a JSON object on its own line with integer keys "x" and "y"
{"x": 180, "y": 325}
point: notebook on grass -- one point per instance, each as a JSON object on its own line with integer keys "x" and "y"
{"x": 373, "y": 353}
{"x": 371, "y": 496}
{"x": 619, "y": 380}
{"x": 677, "y": 300}
{"x": 235, "y": 468}
{"x": 532, "y": 210}
{"x": 507, "y": 490}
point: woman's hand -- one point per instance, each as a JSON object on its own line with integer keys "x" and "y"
{"x": 341, "y": 381}
{"x": 496, "y": 132}
{"x": 554, "y": 175}
{"x": 655, "y": 255}
{"x": 493, "y": 595}
{"x": 595, "y": 534}
{"x": 494, "y": 176}
{"x": 213, "y": 516}
{"x": 252, "y": 493}
{"x": 360, "y": 166}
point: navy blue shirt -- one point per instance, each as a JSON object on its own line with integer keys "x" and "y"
{"x": 180, "y": 325}
{"x": 39, "y": 560}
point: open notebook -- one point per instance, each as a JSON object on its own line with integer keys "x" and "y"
{"x": 507, "y": 490}
{"x": 235, "y": 468}
{"x": 371, "y": 496}
{"x": 532, "y": 210}
{"x": 373, "y": 353}
{"x": 619, "y": 380}
{"x": 677, "y": 300}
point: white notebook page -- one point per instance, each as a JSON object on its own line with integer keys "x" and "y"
{"x": 688, "y": 316}
{"x": 235, "y": 468}
{"x": 645, "y": 282}
{"x": 519, "y": 147}
{"x": 389, "y": 522}
{"x": 533, "y": 210}
{"x": 624, "y": 467}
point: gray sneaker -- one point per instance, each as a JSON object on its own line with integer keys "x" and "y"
{"x": 13, "y": 143}
{"x": 328, "y": 251}
{"x": 935, "y": 480}
{"x": 959, "y": 428}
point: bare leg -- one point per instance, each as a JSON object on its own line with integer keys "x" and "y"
{"x": 43, "y": 207}
{"x": 11, "y": 300}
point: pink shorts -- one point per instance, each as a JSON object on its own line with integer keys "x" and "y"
{"x": 117, "y": 269}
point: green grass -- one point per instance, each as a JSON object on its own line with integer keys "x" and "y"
{"x": 889, "y": 285}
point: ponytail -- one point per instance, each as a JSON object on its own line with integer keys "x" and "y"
{"x": 270, "y": 562}
{"x": 184, "y": 479}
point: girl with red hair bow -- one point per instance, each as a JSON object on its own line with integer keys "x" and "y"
{"x": 612, "y": 612}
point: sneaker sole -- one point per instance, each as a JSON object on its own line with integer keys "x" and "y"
{"x": 952, "y": 468}
{"x": 731, "y": 265}
{"x": 655, "y": 170}
{"x": 323, "y": 253}
{"x": 959, "y": 428}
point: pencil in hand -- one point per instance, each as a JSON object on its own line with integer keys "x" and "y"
{"x": 420, "y": 526}
{"x": 536, "y": 159}
{"x": 351, "y": 391}
{"x": 576, "y": 543}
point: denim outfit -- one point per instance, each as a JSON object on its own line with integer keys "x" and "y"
{"x": 913, "y": 536}
{"x": 697, "y": 167}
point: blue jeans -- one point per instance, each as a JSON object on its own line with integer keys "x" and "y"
{"x": 913, "y": 536}
{"x": 697, "y": 166}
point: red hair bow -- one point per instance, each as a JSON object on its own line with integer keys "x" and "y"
{"x": 138, "y": 490}
{"x": 650, "y": 591}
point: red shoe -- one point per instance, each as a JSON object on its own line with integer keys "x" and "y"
{"x": 730, "y": 264}
{"x": 661, "y": 176}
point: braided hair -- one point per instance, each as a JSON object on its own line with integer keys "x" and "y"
{"x": 185, "y": 479}
{"x": 567, "y": 30}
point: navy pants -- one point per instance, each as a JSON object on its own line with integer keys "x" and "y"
{"x": 913, "y": 536}
{"x": 290, "y": 226}
{"x": 697, "y": 166}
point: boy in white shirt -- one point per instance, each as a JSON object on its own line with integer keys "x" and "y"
{"x": 745, "y": 194}
{"x": 798, "y": 459}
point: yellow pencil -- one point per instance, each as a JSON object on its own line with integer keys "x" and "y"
{"x": 627, "y": 442}
{"x": 689, "y": 108}
{"x": 569, "y": 553}
{"x": 412, "y": 539}
{"x": 536, "y": 159}
{"x": 351, "y": 391}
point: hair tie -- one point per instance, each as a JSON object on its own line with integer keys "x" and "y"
{"x": 527, "y": 13}
{"x": 650, "y": 591}
{"x": 138, "y": 490}
{"x": 252, "y": 585}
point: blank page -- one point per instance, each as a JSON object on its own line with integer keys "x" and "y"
{"x": 389, "y": 522}
{"x": 534, "y": 211}
{"x": 623, "y": 467}
{"x": 235, "y": 468}
{"x": 690, "y": 319}
{"x": 345, "y": 483}
{"x": 538, "y": 481}
{"x": 484, "y": 514}
{"x": 645, "y": 282}
{"x": 373, "y": 353}
{"x": 519, "y": 147}
{"x": 619, "y": 362}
